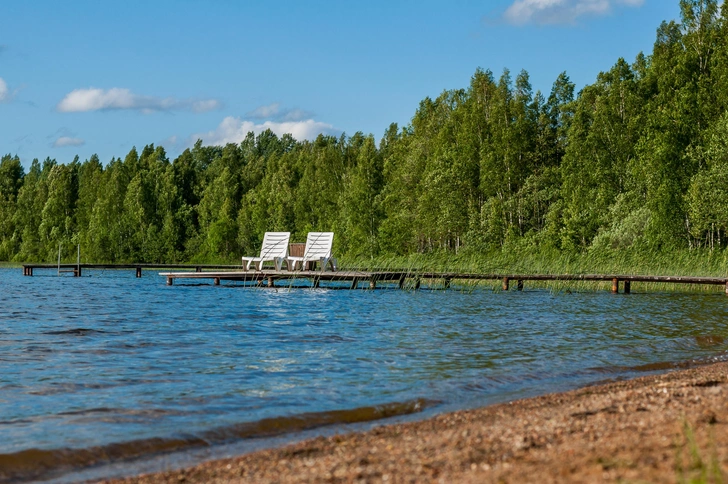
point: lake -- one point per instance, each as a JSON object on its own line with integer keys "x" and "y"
{"x": 108, "y": 366}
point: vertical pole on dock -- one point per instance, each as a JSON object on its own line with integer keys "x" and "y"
{"x": 170, "y": 281}
{"x": 506, "y": 283}
{"x": 372, "y": 283}
{"x": 519, "y": 286}
{"x": 615, "y": 286}
{"x": 139, "y": 272}
{"x": 78, "y": 261}
{"x": 216, "y": 281}
{"x": 627, "y": 287}
{"x": 271, "y": 282}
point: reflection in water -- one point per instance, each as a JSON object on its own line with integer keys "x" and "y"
{"x": 103, "y": 362}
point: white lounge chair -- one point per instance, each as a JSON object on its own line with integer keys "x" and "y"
{"x": 275, "y": 248}
{"x": 318, "y": 249}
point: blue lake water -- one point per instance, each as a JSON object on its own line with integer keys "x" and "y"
{"x": 121, "y": 367}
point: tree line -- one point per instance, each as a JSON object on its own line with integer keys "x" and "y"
{"x": 638, "y": 159}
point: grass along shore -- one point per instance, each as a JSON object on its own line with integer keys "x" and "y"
{"x": 703, "y": 263}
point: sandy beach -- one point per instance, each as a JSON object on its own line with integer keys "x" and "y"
{"x": 664, "y": 428}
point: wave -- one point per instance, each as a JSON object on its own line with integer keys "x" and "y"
{"x": 32, "y": 464}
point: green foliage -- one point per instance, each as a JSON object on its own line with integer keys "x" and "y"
{"x": 637, "y": 162}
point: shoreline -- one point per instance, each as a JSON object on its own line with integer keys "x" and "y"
{"x": 657, "y": 428}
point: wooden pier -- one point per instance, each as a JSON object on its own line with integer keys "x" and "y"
{"x": 356, "y": 279}
{"x": 77, "y": 269}
{"x": 370, "y": 279}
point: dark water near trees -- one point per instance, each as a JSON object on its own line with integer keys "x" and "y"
{"x": 108, "y": 366}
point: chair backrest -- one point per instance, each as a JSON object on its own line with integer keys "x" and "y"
{"x": 275, "y": 244}
{"x": 318, "y": 244}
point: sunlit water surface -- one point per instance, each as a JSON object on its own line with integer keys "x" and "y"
{"x": 108, "y": 358}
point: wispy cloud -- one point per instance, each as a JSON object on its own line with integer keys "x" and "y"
{"x": 545, "y": 12}
{"x": 92, "y": 99}
{"x": 264, "y": 112}
{"x": 276, "y": 113}
{"x": 64, "y": 141}
{"x": 234, "y": 130}
{"x": 4, "y": 91}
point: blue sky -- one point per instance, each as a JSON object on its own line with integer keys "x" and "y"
{"x": 84, "y": 77}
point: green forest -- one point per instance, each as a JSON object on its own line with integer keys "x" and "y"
{"x": 636, "y": 161}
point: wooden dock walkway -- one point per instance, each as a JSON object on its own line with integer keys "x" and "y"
{"x": 370, "y": 279}
{"x": 77, "y": 269}
{"x": 355, "y": 279}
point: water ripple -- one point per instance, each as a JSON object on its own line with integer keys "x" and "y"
{"x": 88, "y": 363}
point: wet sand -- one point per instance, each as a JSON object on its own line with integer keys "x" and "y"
{"x": 666, "y": 428}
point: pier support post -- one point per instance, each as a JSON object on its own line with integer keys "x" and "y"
{"x": 216, "y": 281}
{"x": 506, "y": 283}
{"x": 726, "y": 283}
{"x": 615, "y": 286}
{"x": 139, "y": 272}
{"x": 316, "y": 282}
{"x": 447, "y": 283}
{"x": 372, "y": 283}
{"x": 354, "y": 283}
{"x": 170, "y": 281}
{"x": 198, "y": 269}
{"x": 77, "y": 271}
{"x": 519, "y": 286}
{"x": 627, "y": 287}
{"x": 402, "y": 278}
{"x": 271, "y": 282}
{"x": 418, "y": 282}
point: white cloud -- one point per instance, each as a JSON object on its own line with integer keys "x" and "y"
{"x": 542, "y": 12}
{"x": 4, "y": 93}
{"x": 92, "y": 99}
{"x": 68, "y": 141}
{"x": 234, "y": 130}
